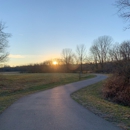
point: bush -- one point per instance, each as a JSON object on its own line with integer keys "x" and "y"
{"x": 117, "y": 90}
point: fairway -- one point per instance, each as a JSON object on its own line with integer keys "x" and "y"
{"x": 16, "y": 85}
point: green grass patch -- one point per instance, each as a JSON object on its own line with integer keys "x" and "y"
{"x": 91, "y": 97}
{"x": 14, "y": 86}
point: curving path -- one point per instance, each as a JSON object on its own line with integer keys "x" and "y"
{"x": 53, "y": 110}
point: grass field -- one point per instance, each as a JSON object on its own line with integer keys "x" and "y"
{"x": 91, "y": 97}
{"x": 16, "y": 85}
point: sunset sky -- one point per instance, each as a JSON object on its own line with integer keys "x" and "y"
{"x": 42, "y": 28}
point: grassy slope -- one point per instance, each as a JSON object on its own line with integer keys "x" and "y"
{"x": 15, "y": 86}
{"x": 91, "y": 98}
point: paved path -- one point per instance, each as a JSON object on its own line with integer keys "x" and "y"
{"x": 53, "y": 110}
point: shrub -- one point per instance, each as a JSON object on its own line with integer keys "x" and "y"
{"x": 117, "y": 90}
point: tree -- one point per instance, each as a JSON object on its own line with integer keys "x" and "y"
{"x": 117, "y": 88}
{"x": 81, "y": 52}
{"x": 125, "y": 50}
{"x": 124, "y": 68}
{"x": 124, "y": 9}
{"x": 100, "y": 49}
{"x": 94, "y": 58}
{"x": 114, "y": 53}
{"x": 68, "y": 57}
{"x": 120, "y": 57}
{"x": 3, "y": 43}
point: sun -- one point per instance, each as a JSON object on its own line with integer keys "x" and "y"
{"x": 55, "y": 63}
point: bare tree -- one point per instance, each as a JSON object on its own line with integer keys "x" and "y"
{"x": 94, "y": 57}
{"x": 114, "y": 53}
{"x": 125, "y": 62}
{"x": 120, "y": 57}
{"x": 124, "y": 9}
{"x": 120, "y": 52}
{"x": 67, "y": 57}
{"x": 122, "y": 67}
{"x": 3, "y": 43}
{"x": 100, "y": 49}
{"x": 82, "y": 57}
{"x": 125, "y": 50}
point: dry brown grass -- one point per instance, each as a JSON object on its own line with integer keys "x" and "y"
{"x": 15, "y": 85}
{"x": 117, "y": 90}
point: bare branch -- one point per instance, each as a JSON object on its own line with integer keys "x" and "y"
{"x": 124, "y": 9}
{"x": 81, "y": 52}
{"x": 100, "y": 50}
{"x": 3, "y": 42}
{"x": 68, "y": 57}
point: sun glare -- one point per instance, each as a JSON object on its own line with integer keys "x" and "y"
{"x": 55, "y": 63}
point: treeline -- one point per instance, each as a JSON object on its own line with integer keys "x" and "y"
{"x": 104, "y": 56}
{"x": 43, "y": 68}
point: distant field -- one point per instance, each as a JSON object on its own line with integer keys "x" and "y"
{"x": 14, "y": 85}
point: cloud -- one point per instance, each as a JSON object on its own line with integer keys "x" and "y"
{"x": 16, "y": 56}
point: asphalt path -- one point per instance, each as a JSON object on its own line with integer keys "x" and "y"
{"x": 53, "y": 109}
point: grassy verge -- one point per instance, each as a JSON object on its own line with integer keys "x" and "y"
{"x": 14, "y": 86}
{"x": 91, "y": 98}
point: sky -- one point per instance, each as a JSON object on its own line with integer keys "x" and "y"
{"x": 41, "y": 29}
